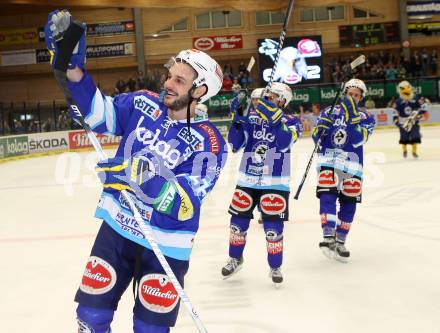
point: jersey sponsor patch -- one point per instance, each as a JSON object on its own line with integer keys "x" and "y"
{"x": 241, "y": 201}
{"x": 195, "y": 140}
{"x": 344, "y": 225}
{"x": 214, "y": 142}
{"x": 166, "y": 199}
{"x": 157, "y": 293}
{"x": 327, "y": 178}
{"x": 236, "y": 236}
{"x": 352, "y": 187}
{"x": 99, "y": 277}
{"x": 274, "y": 247}
{"x": 272, "y": 204}
{"x": 186, "y": 209}
{"x": 147, "y": 107}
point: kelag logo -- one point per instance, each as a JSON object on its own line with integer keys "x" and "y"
{"x": 16, "y": 146}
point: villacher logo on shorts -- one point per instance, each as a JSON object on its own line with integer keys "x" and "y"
{"x": 272, "y": 204}
{"x": 157, "y": 293}
{"x": 99, "y": 277}
{"x": 241, "y": 201}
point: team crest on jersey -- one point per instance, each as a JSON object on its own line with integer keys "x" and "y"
{"x": 241, "y": 201}
{"x": 194, "y": 139}
{"x": 272, "y": 204}
{"x": 352, "y": 187}
{"x": 99, "y": 277}
{"x": 259, "y": 152}
{"x": 339, "y": 138}
{"x": 157, "y": 293}
{"x": 147, "y": 107}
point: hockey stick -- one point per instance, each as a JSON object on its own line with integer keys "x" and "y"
{"x": 72, "y": 36}
{"x": 280, "y": 46}
{"x": 358, "y": 61}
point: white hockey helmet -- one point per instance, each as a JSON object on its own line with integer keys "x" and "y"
{"x": 283, "y": 91}
{"x": 405, "y": 90}
{"x": 356, "y": 83}
{"x": 208, "y": 71}
{"x": 256, "y": 93}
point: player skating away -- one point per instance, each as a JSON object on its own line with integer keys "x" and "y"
{"x": 409, "y": 109}
{"x": 340, "y": 163}
{"x": 265, "y": 136}
{"x": 167, "y": 162}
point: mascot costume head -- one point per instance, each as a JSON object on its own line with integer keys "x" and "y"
{"x": 405, "y": 90}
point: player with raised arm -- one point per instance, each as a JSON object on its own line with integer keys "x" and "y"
{"x": 340, "y": 166}
{"x": 409, "y": 109}
{"x": 167, "y": 161}
{"x": 265, "y": 135}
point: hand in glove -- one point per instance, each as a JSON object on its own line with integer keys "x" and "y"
{"x": 240, "y": 108}
{"x": 65, "y": 40}
{"x": 351, "y": 110}
{"x": 269, "y": 111}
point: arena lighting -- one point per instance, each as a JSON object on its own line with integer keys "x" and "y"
{"x": 156, "y": 36}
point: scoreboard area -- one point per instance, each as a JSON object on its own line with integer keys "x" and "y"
{"x": 361, "y": 35}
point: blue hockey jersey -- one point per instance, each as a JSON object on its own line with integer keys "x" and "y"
{"x": 266, "y": 158}
{"x": 342, "y": 146}
{"x": 403, "y": 108}
{"x": 193, "y": 161}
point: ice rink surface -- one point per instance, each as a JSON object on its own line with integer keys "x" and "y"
{"x": 391, "y": 284}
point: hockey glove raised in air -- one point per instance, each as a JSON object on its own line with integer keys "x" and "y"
{"x": 240, "y": 108}
{"x": 322, "y": 126}
{"x": 351, "y": 109}
{"x": 269, "y": 111}
{"x": 66, "y": 41}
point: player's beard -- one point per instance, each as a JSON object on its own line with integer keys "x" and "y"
{"x": 179, "y": 103}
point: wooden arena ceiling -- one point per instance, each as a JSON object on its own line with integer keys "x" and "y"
{"x": 244, "y": 5}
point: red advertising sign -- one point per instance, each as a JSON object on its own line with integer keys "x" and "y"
{"x": 209, "y": 43}
{"x": 79, "y": 139}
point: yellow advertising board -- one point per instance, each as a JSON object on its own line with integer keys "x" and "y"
{"x": 18, "y": 36}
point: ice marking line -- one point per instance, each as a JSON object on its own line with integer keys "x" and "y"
{"x": 34, "y": 186}
{"x": 45, "y": 238}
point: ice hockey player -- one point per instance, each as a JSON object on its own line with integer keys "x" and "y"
{"x": 409, "y": 109}
{"x": 265, "y": 135}
{"x": 340, "y": 166}
{"x": 168, "y": 163}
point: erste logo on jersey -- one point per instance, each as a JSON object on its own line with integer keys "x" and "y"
{"x": 98, "y": 278}
{"x": 193, "y": 138}
{"x": 272, "y": 204}
{"x": 157, "y": 293}
{"x": 147, "y": 107}
{"x": 170, "y": 155}
{"x": 241, "y": 201}
{"x": 352, "y": 187}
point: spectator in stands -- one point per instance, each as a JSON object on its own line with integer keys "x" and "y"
{"x": 242, "y": 67}
{"x": 140, "y": 80}
{"x": 433, "y": 62}
{"x": 121, "y": 85}
{"x": 416, "y": 64}
{"x": 246, "y": 80}
{"x": 424, "y": 62}
{"x": 336, "y": 75}
{"x": 227, "y": 70}
{"x": 131, "y": 84}
{"x": 236, "y": 86}
{"x": 390, "y": 72}
{"x": 33, "y": 127}
{"x": 369, "y": 103}
{"x": 227, "y": 83}
{"x": 6, "y": 129}
{"x": 18, "y": 127}
{"x": 48, "y": 125}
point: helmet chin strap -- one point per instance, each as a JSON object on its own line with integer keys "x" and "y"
{"x": 188, "y": 113}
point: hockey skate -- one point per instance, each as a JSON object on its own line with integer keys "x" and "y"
{"x": 415, "y": 155}
{"x": 327, "y": 247}
{"x": 276, "y": 275}
{"x": 233, "y": 266}
{"x": 405, "y": 154}
{"x": 341, "y": 253}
